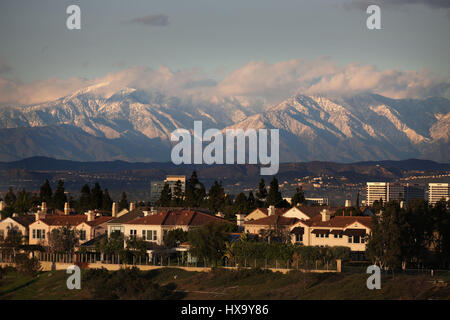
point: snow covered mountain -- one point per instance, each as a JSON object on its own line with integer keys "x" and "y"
{"x": 135, "y": 125}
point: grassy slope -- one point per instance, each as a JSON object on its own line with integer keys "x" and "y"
{"x": 243, "y": 285}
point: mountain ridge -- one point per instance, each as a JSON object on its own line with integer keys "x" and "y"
{"x": 135, "y": 125}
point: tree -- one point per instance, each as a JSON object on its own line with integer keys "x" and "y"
{"x": 106, "y": 201}
{"x": 123, "y": 203}
{"x": 274, "y": 197}
{"x": 178, "y": 195}
{"x": 28, "y": 266}
{"x": 45, "y": 193}
{"x": 261, "y": 194}
{"x": 59, "y": 197}
{"x": 299, "y": 197}
{"x": 208, "y": 242}
{"x": 166, "y": 196}
{"x": 63, "y": 239}
{"x": 251, "y": 202}
{"x": 85, "y": 201}
{"x": 240, "y": 204}
{"x": 96, "y": 196}
{"x": 10, "y": 197}
{"x": 175, "y": 237}
{"x": 23, "y": 202}
{"x": 13, "y": 240}
{"x": 216, "y": 197}
{"x": 388, "y": 245}
{"x": 195, "y": 191}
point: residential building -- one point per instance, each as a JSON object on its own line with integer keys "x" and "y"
{"x": 153, "y": 227}
{"x": 89, "y": 225}
{"x": 437, "y": 192}
{"x": 21, "y": 223}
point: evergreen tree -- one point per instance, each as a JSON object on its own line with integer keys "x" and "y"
{"x": 274, "y": 197}
{"x": 261, "y": 194}
{"x": 357, "y": 200}
{"x": 251, "y": 202}
{"x": 10, "y": 197}
{"x": 106, "y": 201}
{"x": 123, "y": 203}
{"x": 216, "y": 197}
{"x": 85, "y": 202}
{"x": 45, "y": 193}
{"x": 178, "y": 195}
{"x": 23, "y": 202}
{"x": 166, "y": 196}
{"x": 96, "y": 197}
{"x": 240, "y": 204}
{"x": 59, "y": 197}
{"x": 195, "y": 191}
{"x": 298, "y": 198}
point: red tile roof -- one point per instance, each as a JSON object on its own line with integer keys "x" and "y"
{"x": 340, "y": 221}
{"x": 73, "y": 220}
{"x": 273, "y": 220}
{"x": 177, "y": 218}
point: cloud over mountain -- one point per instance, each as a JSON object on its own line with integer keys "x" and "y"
{"x": 257, "y": 80}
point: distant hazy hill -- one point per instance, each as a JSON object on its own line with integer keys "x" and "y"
{"x": 135, "y": 126}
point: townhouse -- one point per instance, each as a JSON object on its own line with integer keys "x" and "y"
{"x": 153, "y": 226}
{"x": 88, "y": 225}
{"x": 316, "y": 226}
{"x": 20, "y": 223}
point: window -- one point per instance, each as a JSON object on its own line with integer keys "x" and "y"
{"x": 340, "y": 236}
{"x": 335, "y": 236}
{"x": 143, "y": 234}
{"x": 350, "y": 240}
{"x": 298, "y": 238}
{"x": 149, "y": 235}
{"x": 82, "y": 235}
{"x": 362, "y": 239}
{"x": 34, "y": 233}
{"x": 317, "y": 235}
{"x": 155, "y": 237}
{"x": 39, "y": 234}
{"x": 356, "y": 239}
{"x": 326, "y": 235}
{"x": 132, "y": 233}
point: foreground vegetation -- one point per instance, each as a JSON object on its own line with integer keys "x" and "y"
{"x": 172, "y": 283}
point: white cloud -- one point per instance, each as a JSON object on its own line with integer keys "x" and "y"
{"x": 271, "y": 82}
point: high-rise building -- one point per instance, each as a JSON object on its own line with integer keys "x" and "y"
{"x": 376, "y": 191}
{"x": 414, "y": 191}
{"x": 157, "y": 186}
{"x": 155, "y": 190}
{"x": 437, "y": 192}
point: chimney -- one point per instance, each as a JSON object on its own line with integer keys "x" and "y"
{"x": 39, "y": 215}
{"x": 325, "y": 215}
{"x": 132, "y": 206}
{"x": 15, "y": 215}
{"x": 271, "y": 210}
{"x": 66, "y": 209}
{"x": 240, "y": 219}
{"x": 114, "y": 210}
{"x": 348, "y": 203}
{"x": 2, "y": 205}
{"x": 90, "y": 215}
{"x": 44, "y": 207}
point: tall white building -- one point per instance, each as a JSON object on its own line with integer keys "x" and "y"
{"x": 437, "y": 191}
{"x": 376, "y": 191}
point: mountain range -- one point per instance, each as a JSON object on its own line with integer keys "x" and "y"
{"x": 135, "y": 125}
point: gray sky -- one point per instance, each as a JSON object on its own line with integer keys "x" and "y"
{"x": 216, "y": 38}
